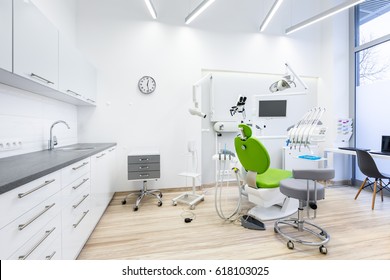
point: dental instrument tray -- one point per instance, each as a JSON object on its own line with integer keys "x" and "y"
{"x": 309, "y": 157}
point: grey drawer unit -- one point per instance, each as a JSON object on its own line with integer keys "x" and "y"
{"x": 143, "y": 167}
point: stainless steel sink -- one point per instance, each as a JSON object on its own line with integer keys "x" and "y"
{"x": 76, "y": 148}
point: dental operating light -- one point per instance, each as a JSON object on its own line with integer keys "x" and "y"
{"x": 198, "y": 10}
{"x": 270, "y": 14}
{"x": 151, "y": 8}
{"x": 288, "y": 81}
{"x": 323, "y": 15}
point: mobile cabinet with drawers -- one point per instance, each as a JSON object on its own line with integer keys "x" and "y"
{"x": 143, "y": 167}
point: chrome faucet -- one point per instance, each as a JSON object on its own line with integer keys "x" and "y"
{"x": 53, "y": 139}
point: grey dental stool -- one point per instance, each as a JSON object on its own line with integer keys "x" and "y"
{"x": 304, "y": 187}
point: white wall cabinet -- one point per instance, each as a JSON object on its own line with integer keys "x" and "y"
{"x": 53, "y": 216}
{"x": 6, "y": 34}
{"x": 35, "y": 45}
{"x": 77, "y": 77}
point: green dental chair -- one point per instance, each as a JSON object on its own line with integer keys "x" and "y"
{"x": 261, "y": 181}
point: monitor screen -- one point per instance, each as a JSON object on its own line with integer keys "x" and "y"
{"x": 385, "y": 144}
{"x": 272, "y": 108}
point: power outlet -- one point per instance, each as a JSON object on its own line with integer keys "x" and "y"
{"x": 10, "y": 144}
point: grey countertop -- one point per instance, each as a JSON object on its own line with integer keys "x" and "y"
{"x": 18, "y": 170}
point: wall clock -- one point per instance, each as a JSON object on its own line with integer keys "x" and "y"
{"x": 147, "y": 84}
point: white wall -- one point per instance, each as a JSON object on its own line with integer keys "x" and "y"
{"x": 26, "y": 116}
{"x": 125, "y": 44}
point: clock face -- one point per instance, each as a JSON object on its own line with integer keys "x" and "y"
{"x": 147, "y": 84}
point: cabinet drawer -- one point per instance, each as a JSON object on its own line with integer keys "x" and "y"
{"x": 53, "y": 250}
{"x": 23, "y": 198}
{"x": 143, "y": 159}
{"x": 144, "y": 175}
{"x": 140, "y": 167}
{"x": 76, "y": 227}
{"x": 23, "y": 228}
{"x": 75, "y": 189}
{"x": 75, "y": 171}
{"x": 33, "y": 248}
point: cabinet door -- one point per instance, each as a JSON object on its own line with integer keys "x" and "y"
{"x": 77, "y": 76}
{"x": 35, "y": 45}
{"x": 6, "y": 34}
{"x": 101, "y": 193}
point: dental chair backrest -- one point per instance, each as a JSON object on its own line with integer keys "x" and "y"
{"x": 250, "y": 151}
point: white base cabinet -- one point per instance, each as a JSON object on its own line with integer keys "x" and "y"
{"x": 52, "y": 217}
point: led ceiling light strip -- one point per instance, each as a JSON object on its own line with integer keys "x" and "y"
{"x": 151, "y": 8}
{"x": 198, "y": 10}
{"x": 323, "y": 15}
{"x": 270, "y": 14}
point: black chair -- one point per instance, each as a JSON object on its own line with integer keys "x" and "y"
{"x": 368, "y": 167}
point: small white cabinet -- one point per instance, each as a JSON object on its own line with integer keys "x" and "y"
{"x": 6, "y": 34}
{"x": 77, "y": 77}
{"x": 35, "y": 45}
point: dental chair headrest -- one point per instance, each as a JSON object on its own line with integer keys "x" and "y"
{"x": 246, "y": 131}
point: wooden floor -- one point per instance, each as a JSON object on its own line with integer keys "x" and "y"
{"x": 159, "y": 233}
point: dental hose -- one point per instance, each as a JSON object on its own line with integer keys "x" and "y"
{"x": 218, "y": 194}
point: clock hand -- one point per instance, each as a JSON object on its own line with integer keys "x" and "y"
{"x": 147, "y": 84}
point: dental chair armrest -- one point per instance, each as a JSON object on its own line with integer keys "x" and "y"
{"x": 314, "y": 174}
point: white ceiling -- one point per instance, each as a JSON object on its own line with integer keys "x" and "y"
{"x": 224, "y": 15}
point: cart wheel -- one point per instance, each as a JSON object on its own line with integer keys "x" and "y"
{"x": 174, "y": 203}
{"x": 192, "y": 207}
{"x": 159, "y": 203}
{"x": 124, "y": 202}
{"x": 323, "y": 250}
{"x": 135, "y": 208}
{"x": 290, "y": 245}
{"x": 275, "y": 230}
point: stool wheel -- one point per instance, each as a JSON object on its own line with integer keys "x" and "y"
{"x": 135, "y": 208}
{"x": 290, "y": 245}
{"x": 323, "y": 250}
{"x": 160, "y": 195}
{"x": 159, "y": 203}
{"x": 124, "y": 202}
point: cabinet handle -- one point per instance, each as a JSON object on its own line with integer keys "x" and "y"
{"x": 47, "y": 208}
{"x": 21, "y": 195}
{"x": 49, "y": 257}
{"x": 84, "y": 214}
{"x": 41, "y": 78}
{"x": 78, "y": 167}
{"x": 84, "y": 180}
{"x": 47, "y": 233}
{"x": 143, "y": 159}
{"x": 113, "y": 149}
{"x": 90, "y": 100}
{"x": 73, "y": 92}
{"x": 144, "y": 175}
{"x": 103, "y": 154}
{"x": 143, "y": 167}
{"x": 78, "y": 203}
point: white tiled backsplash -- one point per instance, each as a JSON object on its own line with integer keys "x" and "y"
{"x": 26, "y": 118}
